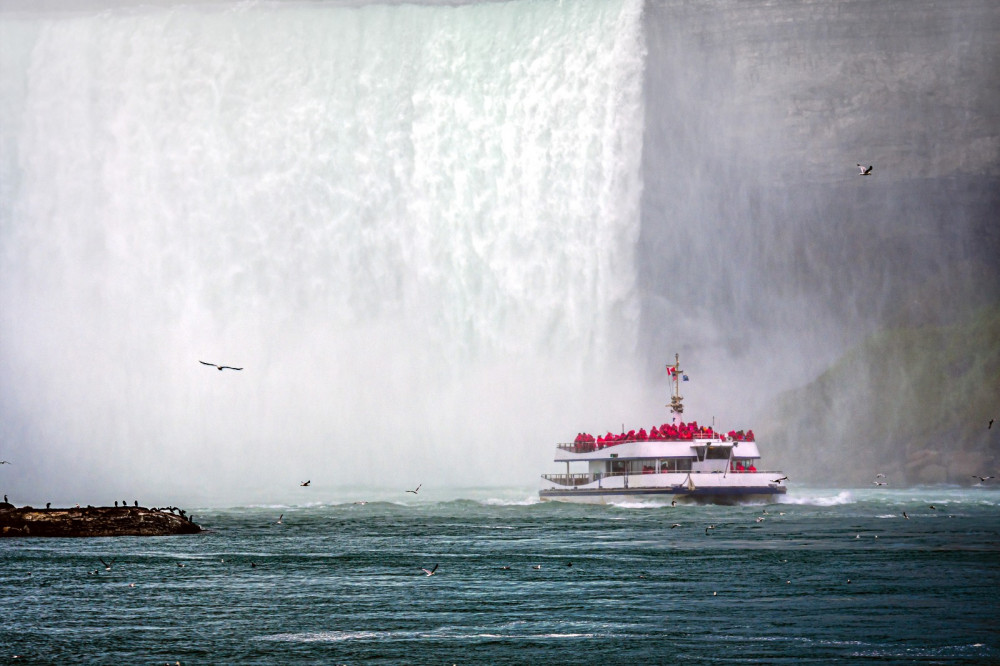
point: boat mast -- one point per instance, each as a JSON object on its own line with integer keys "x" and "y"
{"x": 676, "y": 400}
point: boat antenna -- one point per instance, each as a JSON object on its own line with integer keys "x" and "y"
{"x": 676, "y": 400}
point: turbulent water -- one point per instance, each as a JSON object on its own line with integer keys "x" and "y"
{"x": 898, "y": 576}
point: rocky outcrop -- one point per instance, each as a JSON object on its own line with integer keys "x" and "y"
{"x": 91, "y": 522}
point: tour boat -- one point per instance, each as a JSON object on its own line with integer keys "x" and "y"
{"x": 678, "y": 461}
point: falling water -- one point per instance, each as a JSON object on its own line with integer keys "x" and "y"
{"x": 412, "y": 226}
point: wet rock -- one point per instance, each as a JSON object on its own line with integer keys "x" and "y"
{"x": 91, "y": 522}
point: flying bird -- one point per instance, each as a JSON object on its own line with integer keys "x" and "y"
{"x": 864, "y": 170}
{"x": 784, "y": 478}
{"x": 220, "y": 367}
{"x": 982, "y": 479}
{"x": 279, "y": 518}
{"x": 430, "y": 572}
{"x": 7, "y": 462}
{"x": 415, "y": 490}
{"x": 107, "y": 565}
{"x": 305, "y": 483}
{"x": 675, "y": 525}
{"x": 905, "y": 516}
{"x": 989, "y": 426}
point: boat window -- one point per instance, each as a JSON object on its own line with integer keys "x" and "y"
{"x": 718, "y": 453}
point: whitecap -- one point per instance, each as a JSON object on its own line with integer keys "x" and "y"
{"x": 842, "y": 497}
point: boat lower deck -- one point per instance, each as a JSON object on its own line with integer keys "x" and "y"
{"x": 716, "y": 495}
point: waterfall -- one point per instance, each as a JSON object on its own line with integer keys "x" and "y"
{"x": 413, "y": 226}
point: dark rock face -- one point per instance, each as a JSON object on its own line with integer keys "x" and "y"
{"x": 91, "y": 522}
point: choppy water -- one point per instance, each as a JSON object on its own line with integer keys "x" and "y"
{"x": 827, "y": 575}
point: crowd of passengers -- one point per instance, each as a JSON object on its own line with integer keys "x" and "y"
{"x": 586, "y": 442}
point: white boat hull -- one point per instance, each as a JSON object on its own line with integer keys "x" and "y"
{"x": 696, "y": 487}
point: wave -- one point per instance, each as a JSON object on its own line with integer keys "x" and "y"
{"x": 337, "y": 636}
{"x": 495, "y": 501}
{"x": 820, "y": 498}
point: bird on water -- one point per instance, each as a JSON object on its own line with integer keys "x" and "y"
{"x": 220, "y": 367}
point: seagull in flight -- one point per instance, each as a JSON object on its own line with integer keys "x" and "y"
{"x": 415, "y": 490}
{"x": 784, "y": 478}
{"x": 305, "y": 483}
{"x": 279, "y": 518}
{"x": 675, "y": 525}
{"x": 430, "y": 572}
{"x": 7, "y": 462}
{"x": 864, "y": 170}
{"x": 982, "y": 479}
{"x": 220, "y": 367}
{"x": 107, "y": 565}
{"x": 989, "y": 426}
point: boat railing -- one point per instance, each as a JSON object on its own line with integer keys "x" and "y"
{"x": 590, "y": 447}
{"x": 583, "y": 479}
{"x": 568, "y": 479}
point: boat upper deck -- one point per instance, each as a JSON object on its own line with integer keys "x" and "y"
{"x": 659, "y": 448}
